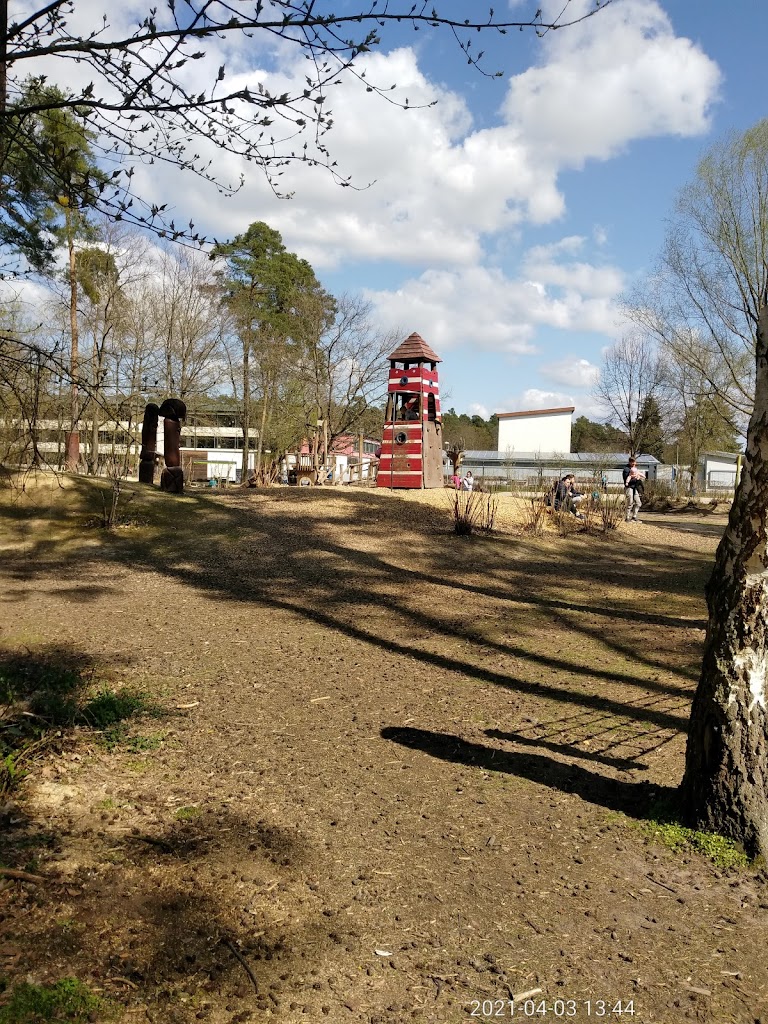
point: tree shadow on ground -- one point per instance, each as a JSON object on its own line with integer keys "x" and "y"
{"x": 47, "y": 692}
{"x": 680, "y": 524}
{"x": 310, "y": 570}
{"x": 631, "y": 798}
{"x": 236, "y": 553}
{"x": 569, "y": 749}
{"x": 189, "y": 932}
{"x": 179, "y": 931}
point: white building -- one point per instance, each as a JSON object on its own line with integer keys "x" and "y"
{"x": 546, "y": 431}
{"x": 718, "y": 471}
{"x": 211, "y": 444}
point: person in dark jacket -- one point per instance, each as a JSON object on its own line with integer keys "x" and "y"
{"x": 567, "y": 497}
{"x": 633, "y": 490}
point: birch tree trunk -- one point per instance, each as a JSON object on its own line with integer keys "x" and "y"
{"x": 726, "y": 774}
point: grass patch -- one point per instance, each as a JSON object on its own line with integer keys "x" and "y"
{"x": 119, "y": 735}
{"x": 49, "y": 692}
{"x": 67, "y": 1000}
{"x": 724, "y": 853}
{"x": 188, "y": 813}
{"x": 111, "y": 707}
{"x": 663, "y": 825}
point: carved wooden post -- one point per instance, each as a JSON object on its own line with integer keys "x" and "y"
{"x": 172, "y": 478}
{"x": 148, "y": 454}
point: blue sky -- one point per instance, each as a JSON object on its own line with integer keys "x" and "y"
{"x": 503, "y": 223}
{"x": 516, "y": 284}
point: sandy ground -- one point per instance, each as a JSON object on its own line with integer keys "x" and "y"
{"x": 401, "y": 775}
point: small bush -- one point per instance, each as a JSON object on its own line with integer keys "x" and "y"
{"x": 489, "y": 506}
{"x": 567, "y": 523}
{"x": 473, "y": 510}
{"x": 655, "y": 490}
{"x": 534, "y": 514}
{"x": 109, "y": 707}
{"x": 111, "y": 513}
{"x": 610, "y": 512}
{"x": 67, "y": 1000}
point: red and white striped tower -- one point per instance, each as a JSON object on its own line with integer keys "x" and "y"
{"x": 412, "y": 446}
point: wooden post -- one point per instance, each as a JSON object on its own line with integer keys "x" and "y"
{"x": 360, "y": 455}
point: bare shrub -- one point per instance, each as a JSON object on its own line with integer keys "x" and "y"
{"x": 462, "y": 511}
{"x": 610, "y": 512}
{"x": 473, "y": 510}
{"x": 489, "y": 506}
{"x": 590, "y": 512}
{"x": 657, "y": 491}
{"x": 567, "y": 523}
{"x": 534, "y": 513}
{"x": 115, "y": 473}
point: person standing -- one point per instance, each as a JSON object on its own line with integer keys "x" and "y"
{"x": 633, "y": 490}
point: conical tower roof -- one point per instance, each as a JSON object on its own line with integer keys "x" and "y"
{"x": 414, "y": 349}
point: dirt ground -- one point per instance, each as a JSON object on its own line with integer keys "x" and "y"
{"x": 401, "y": 775}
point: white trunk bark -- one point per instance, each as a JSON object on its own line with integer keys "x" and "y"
{"x": 726, "y": 775}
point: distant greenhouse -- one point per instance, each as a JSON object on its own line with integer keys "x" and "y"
{"x": 537, "y": 469}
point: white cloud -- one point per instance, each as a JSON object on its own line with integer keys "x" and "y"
{"x": 442, "y": 189}
{"x": 476, "y": 409}
{"x": 476, "y": 306}
{"x": 615, "y": 78}
{"x": 571, "y": 371}
{"x": 446, "y": 193}
{"x": 539, "y": 398}
{"x": 542, "y": 263}
{"x": 497, "y": 311}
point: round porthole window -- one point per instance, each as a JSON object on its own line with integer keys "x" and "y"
{"x": 401, "y": 437}
{"x": 403, "y": 381}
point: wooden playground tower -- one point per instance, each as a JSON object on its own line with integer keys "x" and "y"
{"x": 412, "y": 445}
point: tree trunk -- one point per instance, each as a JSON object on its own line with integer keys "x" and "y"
{"x": 73, "y": 437}
{"x": 93, "y": 465}
{"x": 246, "y": 417}
{"x": 260, "y": 442}
{"x": 726, "y": 773}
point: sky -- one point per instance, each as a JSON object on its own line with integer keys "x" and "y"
{"x": 505, "y": 222}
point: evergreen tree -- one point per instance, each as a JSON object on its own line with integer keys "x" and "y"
{"x": 650, "y": 434}
{"x": 50, "y": 202}
{"x": 589, "y": 436}
{"x": 263, "y": 285}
